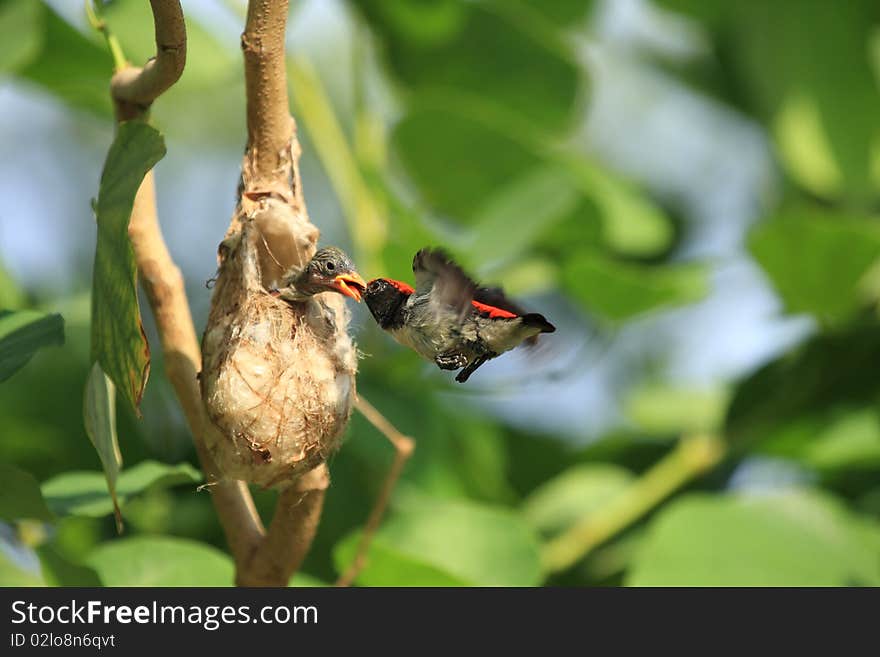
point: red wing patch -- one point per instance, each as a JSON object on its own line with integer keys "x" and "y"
{"x": 492, "y": 311}
{"x": 400, "y": 285}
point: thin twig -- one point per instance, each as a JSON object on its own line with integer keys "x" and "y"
{"x": 403, "y": 447}
{"x": 99, "y": 24}
{"x": 693, "y": 456}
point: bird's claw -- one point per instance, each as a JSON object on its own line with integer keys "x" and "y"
{"x": 451, "y": 360}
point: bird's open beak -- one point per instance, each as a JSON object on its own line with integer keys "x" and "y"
{"x": 350, "y": 284}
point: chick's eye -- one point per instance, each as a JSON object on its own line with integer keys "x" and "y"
{"x": 330, "y": 266}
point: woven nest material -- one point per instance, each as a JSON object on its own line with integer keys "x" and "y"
{"x": 278, "y": 378}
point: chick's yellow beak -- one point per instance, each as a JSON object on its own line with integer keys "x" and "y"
{"x": 350, "y": 284}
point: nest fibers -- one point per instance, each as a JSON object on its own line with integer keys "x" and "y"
{"x": 278, "y": 378}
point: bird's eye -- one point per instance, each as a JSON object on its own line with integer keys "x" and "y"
{"x": 330, "y": 266}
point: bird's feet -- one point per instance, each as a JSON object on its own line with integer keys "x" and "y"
{"x": 451, "y": 360}
{"x": 463, "y": 376}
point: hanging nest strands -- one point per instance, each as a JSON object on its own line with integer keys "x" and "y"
{"x": 278, "y": 378}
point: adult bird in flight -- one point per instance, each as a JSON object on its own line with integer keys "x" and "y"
{"x": 448, "y": 318}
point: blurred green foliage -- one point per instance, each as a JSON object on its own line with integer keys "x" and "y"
{"x": 478, "y": 152}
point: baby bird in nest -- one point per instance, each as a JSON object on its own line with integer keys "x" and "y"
{"x": 330, "y": 270}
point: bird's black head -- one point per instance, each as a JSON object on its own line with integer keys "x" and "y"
{"x": 385, "y": 299}
{"x": 331, "y": 270}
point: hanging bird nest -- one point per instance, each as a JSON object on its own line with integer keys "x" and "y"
{"x": 278, "y": 378}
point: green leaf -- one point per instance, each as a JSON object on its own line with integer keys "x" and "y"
{"x": 304, "y": 580}
{"x": 118, "y": 340}
{"x": 661, "y": 409}
{"x": 70, "y": 66}
{"x": 831, "y": 373}
{"x": 574, "y": 494}
{"x": 564, "y": 13}
{"x": 59, "y": 571}
{"x": 13, "y": 574}
{"x": 21, "y": 33}
{"x": 85, "y": 493}
{"x": 207, "y": 61}
{"x": 843, "y": 438}
{"x": 483, "y": 545}
{"x": 386, "y": 566}
{"x": 817, "y": 260}
{"x": 619, "y": 290}
{"x": 819, "y": 94}
{"x": 22, "y": 332}
{"x": 99, "y": 413}
{"x": 161, "y": 561}
{"x": 458, "y": 162}
{"x": 852, "y": 441}
{"x": 795, "y": 538}
{"x": 520, "y": 212}
{"x": 532, "y": 73}
{"x": 20, "y": 496}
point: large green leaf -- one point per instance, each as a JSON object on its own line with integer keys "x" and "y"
{"x": 795, "y": 538}
{"x": 620, "y": 290}
{"x": 21, "y": 33}
{"x": 60, "y": 571}
{"x": 512, "y": 218}
{"x": 69, "y": 65}
{"x": 99, "y": 415}
{"x": 22, "y": 332}
{"x": 574, "y": 494}
{"x": 20, "y": 496}
{"x": 817, "y": 260}
{"x": 804, "y": 66}
{"x": 161, "y": 561}
{"x": 457, "y": 162}
{"x": 564, "y": 13}
{"x": 118, "y": 340}
{"x": 841, "y": 438}
{"x": 531, "y": 71}
{"x": 13, "y": 573}
{"x": 386, "y": 566}
{"x": 832, "y": 373}
{"x": 207, "y": 61}
{"x": 631, "y": 224}
{"x": 85, "y": 493}
{"x": 665, "y": 410}
{"x": 483, "y": 545}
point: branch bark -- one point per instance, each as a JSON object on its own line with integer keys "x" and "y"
{"x": 164, "y": 286}
{"x": 262, "y": 558}
{"x": 271, "y": 169}
{"x": 269, "y": 123}
{"x": 282, "y": 551}
{"x": 133, "y": 90}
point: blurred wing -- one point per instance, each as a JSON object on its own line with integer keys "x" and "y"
{"x": 494, "y": 296}
{"x": 443, "y": 281}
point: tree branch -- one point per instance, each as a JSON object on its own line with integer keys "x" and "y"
{"x": 163, "y": 284}
{"x": 270, "y": 126}
{"x": 262, "y": 559}
{"x": 290, "y": 535}
{"x": 271, "y": 168}
{"x": 135, "y": 88}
